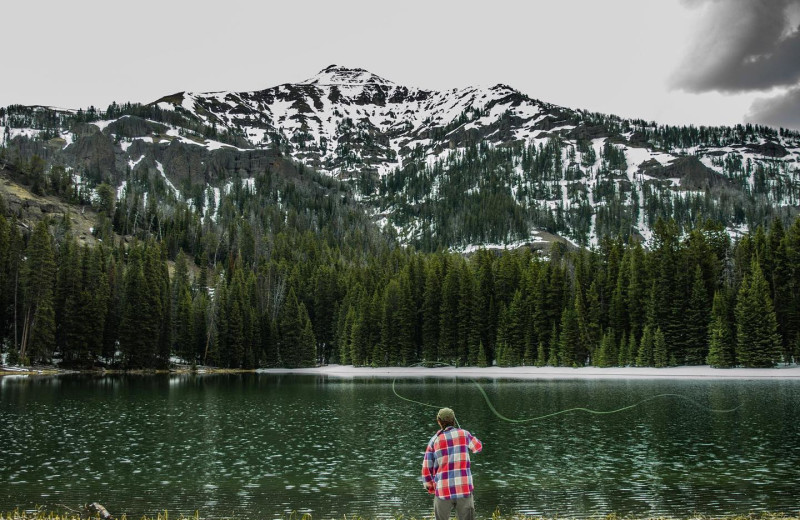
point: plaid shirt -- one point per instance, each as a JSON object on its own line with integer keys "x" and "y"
{"x": 445, "y": 468}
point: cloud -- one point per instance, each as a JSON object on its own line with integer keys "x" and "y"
{"x": 745, "y": 45}
{"x": 778, "y": 111}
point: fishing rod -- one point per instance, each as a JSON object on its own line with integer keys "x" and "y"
{"x": 566, "y": 410}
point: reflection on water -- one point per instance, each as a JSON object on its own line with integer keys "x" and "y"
{"x": 261, "y": 446}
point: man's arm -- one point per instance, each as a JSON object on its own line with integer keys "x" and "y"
{"x": 475, "y": 445}
{"x": 429, "y": 469}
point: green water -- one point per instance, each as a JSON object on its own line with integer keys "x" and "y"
{"x": 261, "y": 446}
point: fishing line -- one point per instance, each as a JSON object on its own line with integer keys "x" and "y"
{"x": 569, "y": 410}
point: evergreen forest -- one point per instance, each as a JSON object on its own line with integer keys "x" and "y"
{"x": 689, "y": 298}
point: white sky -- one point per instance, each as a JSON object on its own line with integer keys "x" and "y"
{"x": 612, "y": 56}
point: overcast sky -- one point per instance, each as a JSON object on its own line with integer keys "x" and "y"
{"x": 673, "y": 61}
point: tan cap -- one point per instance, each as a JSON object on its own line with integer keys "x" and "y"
{"x": 446, "y": 415}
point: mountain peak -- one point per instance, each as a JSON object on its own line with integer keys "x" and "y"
{"x": 338, "y": 75}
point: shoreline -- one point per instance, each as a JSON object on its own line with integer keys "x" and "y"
{"x": 56, "y": 371}
{"x": 532, "y": 373}
{"x": 513, "y": 373}
{"x": 40, "y": 513}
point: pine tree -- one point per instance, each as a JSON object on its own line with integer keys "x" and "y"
{"x": 371, "y": 326}
{"x": 161, "y": 275}
{"x": 290, "y": 328}
{"x": 38, "y": 331}
{"x": 792, "y": 252}
{"x": 541, "y": 355}
{"x": 233, "y": 355}
{"x": 359, "y": 341}
{"x": 482, "y": 361}
{"x": 608, "y": 353}
{"x": 325, "y": 298}
{"x": 6, "y": 286}
{"x": 268, "y": 350}
{"x": 627, "y": 351}
{"x": 486, "y": 306}
{"x": 554, "y": 348}
{"x": 469, "y": 330}
{"x": 660, "y": 352}
{"x": 449, "y": 338}
{"x": 392, "y": 329}
{"x": 143, "y": 316}
{"x": 666, "y": 295}
{"x": 569, "y": 339}
{"x": 593, "y": 327}
{"x": 308, "y": 343}
{"x": 620, "y": 303}
{"x": 757, "y": 339}
{"x": 407, "y": 323}
{"x": 95, "y": 293}
{"x": 515, "y": 328}
{"x": 114, "y": 273}
{"x": 501, "y": 342}
{"x": 431, "y": 311}
{"x": 68, "y": 305}
{"x": 346, "y": 337}
{"x": 637, "y": 289}
{"x": 153, "y": 315}
{"x": 721, "y": 351}
{"x": 779, "y": 280}
{"x": 644, "y": 357}
{"x": 697, "y": 321}
{"x": 541, "y": 313}
{"x": 184, "y": 322}
{"x": 583, "y": 346}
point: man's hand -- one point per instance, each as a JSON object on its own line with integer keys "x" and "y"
{"x": 430, "y": 487}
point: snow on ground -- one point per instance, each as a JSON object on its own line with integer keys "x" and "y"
{"x": 534, "y": 238}
{"x": 133, "y": 163}
{"x": 685, "y": 372}
{"x": 212, "y": 145}
{"x": 30, "y": 133}
{"x": 206, "y": 203}
{"x": 102, "y": 124}
{"x": 188, "y": 103}
{"x": 121, "y": 189}
{"x": 175, "y": 191}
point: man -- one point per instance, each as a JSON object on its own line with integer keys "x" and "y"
{"x": 445, "y": 468}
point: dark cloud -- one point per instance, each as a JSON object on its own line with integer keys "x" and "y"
{"x": 778, "y": 111}
{"x": 746, "y": 45}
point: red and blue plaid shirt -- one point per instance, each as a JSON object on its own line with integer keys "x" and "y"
{"x": 445, "y": 468}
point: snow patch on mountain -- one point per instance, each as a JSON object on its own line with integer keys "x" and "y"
{"x": 160, "y": 168}
{"x": 336, "y": 75}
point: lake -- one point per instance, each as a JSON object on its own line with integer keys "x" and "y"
{"x": 260, "y": 446}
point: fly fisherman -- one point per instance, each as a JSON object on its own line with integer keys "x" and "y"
{"x": 445, "y": 468}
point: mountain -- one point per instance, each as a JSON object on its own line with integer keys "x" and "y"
{"x": 454, "y": 169}
{"x": 349, "y": 121}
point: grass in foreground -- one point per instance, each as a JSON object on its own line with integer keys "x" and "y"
{"x": 497, "y": 515}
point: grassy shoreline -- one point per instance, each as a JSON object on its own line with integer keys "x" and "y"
{"x": 51, "y": 371}
{"x": 496, "y": 515}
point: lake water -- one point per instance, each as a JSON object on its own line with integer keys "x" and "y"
{"x": 260, "y": 446}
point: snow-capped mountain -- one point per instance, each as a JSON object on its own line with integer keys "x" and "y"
{"x": 343, "y": 121}
{"x": 454, "y": 168}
